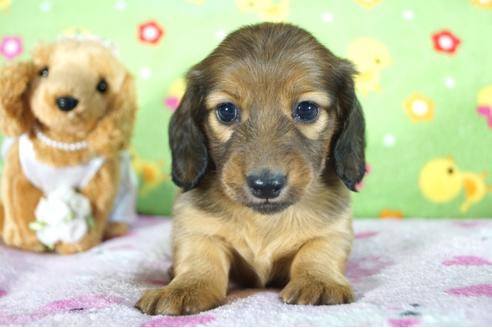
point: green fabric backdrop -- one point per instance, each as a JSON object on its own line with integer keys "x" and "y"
{"x": 425, "y": 83}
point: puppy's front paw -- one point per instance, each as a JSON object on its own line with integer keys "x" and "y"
{"x": 178, "y": 300}
{"x": 312, "y": 291}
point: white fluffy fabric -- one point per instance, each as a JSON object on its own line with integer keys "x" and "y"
{"x": 404, "y": 273}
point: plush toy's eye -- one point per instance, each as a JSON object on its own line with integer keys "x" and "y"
{"x": 102, "y": 86}
{"x": 44, "y": 72}
{"x": 306, "y": 111}
{"x": 227, "y": 112}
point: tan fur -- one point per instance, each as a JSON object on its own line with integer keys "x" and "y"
{"x": 307, "y": 235}
{"x": 221, "y": 131}
{"x": 104, "y": 120}
{"x": 298, "y": 239}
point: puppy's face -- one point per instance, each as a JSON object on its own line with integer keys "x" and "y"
{"x": 74, "y": 85}
{"x": 273, "y": 109}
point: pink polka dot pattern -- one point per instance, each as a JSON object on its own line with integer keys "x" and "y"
{"x": 365, "y": 234}
{"x": 180, "y": 321}
{"x": 473, "y": 290}
{"x": 403, "y": 322}
{"x": 466, "y": 261}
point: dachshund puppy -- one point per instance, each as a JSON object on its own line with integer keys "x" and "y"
{"x": 266, "y": 144}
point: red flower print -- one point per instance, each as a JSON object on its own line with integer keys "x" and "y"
{"x": 445, "y": 41}
{"x": 150, "y": 32}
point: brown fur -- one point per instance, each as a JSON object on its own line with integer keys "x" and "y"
{"x": 299, "y": 241}
{"x": 104, "y": 120}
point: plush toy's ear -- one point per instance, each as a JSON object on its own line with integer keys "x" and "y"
{"x": 41, "y": 54}
{"x": 114, "y": 131}
{"x": 349, "y": 146}
{"x": 16, "y": 117}
{"x": 187, "y": 141}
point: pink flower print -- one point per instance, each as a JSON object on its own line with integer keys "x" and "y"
{"x": 172, "y": 102}
{"x": 486, "y": 112}
{"x": 11, "y": 46}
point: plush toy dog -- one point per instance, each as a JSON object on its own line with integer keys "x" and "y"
{"x": 67, "y": 180}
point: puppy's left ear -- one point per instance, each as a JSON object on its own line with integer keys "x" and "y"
{"x": 350, "y": 142}
{"x": 114, "y": 131}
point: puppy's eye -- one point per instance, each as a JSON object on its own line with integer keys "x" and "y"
{"x": 306, "y": 111}
{"x": 102, "y": 86}
{"x": 227, "y": 113}
{"x": 44, "y": 72}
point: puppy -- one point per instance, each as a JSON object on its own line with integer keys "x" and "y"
{"x": 266, "y": 144}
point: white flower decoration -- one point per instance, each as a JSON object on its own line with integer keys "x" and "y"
{"x": 62, "y": 215}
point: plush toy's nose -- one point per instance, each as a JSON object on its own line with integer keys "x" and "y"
{"x": 66, "y": 104}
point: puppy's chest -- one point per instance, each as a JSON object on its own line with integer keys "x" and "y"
{"x": 266, "y": 248}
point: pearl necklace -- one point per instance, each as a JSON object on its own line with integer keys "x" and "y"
{"x": 72, "y": 147}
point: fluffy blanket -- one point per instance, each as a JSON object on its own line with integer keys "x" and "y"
{"x": 404, "y": 273}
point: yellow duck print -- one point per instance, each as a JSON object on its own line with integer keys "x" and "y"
{"x": 370, "y": 58}
{"x": 267, "y": 10}
{"x": 368, "y": 4}
{"x": 485, "y": 4}
{"x": 4, "y": 4}
{"x": 197, "y": 2}
{"x": 441, "y": 181}
{"x": 150, "y": 173}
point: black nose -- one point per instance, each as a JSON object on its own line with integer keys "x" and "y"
{"x": 66, "y": 104}
{"x": 266, "y": 185}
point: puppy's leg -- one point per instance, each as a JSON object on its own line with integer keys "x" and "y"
{"x": 201, "y": 268}
{"x": 101, "y": 192}
{"x": 20, "y": 199}
{"x": 317, "y": 273}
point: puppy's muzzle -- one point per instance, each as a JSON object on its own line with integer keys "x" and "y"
{"x": 267, "y": 184}
{"x": 66, "y": 103}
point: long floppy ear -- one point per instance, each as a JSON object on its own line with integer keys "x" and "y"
{"x": 349, "y": 147}
{"x": 186, "y": 139}
{"x": 114, "y": 131}
{"x": 16, "y": 117}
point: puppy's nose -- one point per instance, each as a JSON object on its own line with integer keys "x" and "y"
{"x": 266, "y": 185}
{"x": 66, "y": 104}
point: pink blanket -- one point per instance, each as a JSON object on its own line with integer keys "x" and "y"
{"x": 405, "y": 273}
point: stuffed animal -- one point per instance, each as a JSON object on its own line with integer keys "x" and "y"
{"x": 67, "y": 181}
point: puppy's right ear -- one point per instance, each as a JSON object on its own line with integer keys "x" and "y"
{"x": 16, "y": 117}
{"x": 187, "y": 141}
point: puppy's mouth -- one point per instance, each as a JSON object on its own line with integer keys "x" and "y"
{"x": 268, "y": 207}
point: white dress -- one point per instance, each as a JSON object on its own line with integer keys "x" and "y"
{"x": 48, "y": 178}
